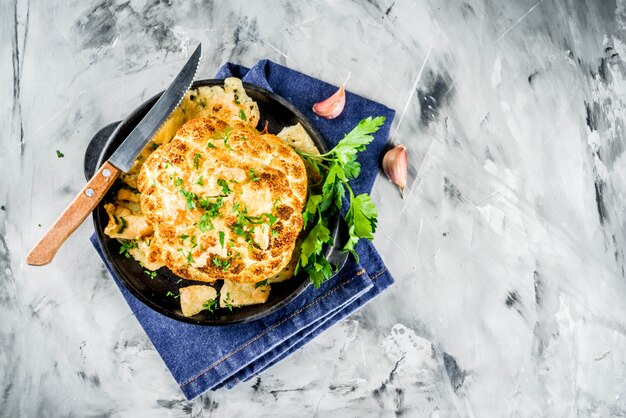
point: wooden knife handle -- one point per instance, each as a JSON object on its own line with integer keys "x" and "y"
{"x": 74, "y": 215}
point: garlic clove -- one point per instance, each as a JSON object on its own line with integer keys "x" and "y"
{"x": 333, "y": 106}
{"x": 395, "y": 166}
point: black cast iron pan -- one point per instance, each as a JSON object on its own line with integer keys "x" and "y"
{"x": 278, "y": 113}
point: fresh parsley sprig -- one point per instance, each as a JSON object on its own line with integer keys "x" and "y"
{"x": 336, "y": 168}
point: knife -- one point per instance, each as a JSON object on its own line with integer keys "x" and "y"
{"x": 121, "y": 161}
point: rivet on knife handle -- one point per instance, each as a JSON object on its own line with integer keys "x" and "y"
{"x": 82, "y": 205}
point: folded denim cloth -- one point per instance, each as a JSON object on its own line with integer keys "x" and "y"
{"x": 205, "y": 358}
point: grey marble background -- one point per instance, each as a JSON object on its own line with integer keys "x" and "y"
{"x": 508, "y": 249}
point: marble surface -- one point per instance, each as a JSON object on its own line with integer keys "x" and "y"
{"x": 508, "y": 249}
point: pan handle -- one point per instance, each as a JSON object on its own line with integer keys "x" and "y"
{"x": 94, "y": 149}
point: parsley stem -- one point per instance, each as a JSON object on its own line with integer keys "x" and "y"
{"x": 321, "y": 163}
{"x": 324, "y": 157}
{"x": 345, "y": 183}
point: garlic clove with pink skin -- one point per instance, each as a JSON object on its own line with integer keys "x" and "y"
{"x": 333, "y": 106}
{"x": 395, "y": 166}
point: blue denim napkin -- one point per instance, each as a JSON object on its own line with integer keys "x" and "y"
{"x": 205, "y": 358}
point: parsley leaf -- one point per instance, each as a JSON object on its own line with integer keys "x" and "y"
{"x": 222, "y": 235}
{"x": 337, "y": 167}
{"x": 224, "y": 185}
{"x": 227, "y": 137}
{"x": 362, "y": 219}
{"x": 261, "y": 283}
{"x": 311, "y": 209}
{"x": 253, "y": 176}
{"x": 313, "y": 243}
{"x": 123, "y": 226}
{"x": 127, "y": 245}
{"x": 60, "y": 154}
{"x": 356, "y": 140}
{"x": 213, "y": 208}
{"x": 242, "y": 115}
{"x": 196, "y": 160}
{"x": 190, "y": 197}
{"x": 205, "y": 223}
{"x": 228, "y": 305}
{"x": 223, "y": 264}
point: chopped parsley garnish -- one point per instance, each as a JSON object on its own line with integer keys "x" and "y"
{"x": 274, "y": 233}
{"x": 222, "y": 235}
{"x": 172, "y": 295}
{"x": 199, "y": 181}
{"x": 193, "y": 242}
{"x": 209, "y": 144}
{"x": 223, "y": 264}
{"x": 253, "y": 176}
{"x": 262, "y": 218}
{"x": 154, "y": 146}
{"x": 189, "y": 257}
{"x": 124, "y": 225}
{"x": 196, "y": 160}
{"x": 228, "y": 305}
{"x": 224, "y": 185}
{"x": 245, "y": 224}
{"x": 242, "y": 115}
{"x": 261, "y": 283}
{"x": 183, "y": 238}
{"x": 337, "y": 167}
{"x": 227, "y": 137}
{"x": 190, "y": 197}
{"x": 60, "y": 154}
{"x": 127, "y": 245}
{"x": 236, "y": 207}
{"x": 205, "y": 223}
{"x": 239, "y": 228}
{"x": 210, "y": 305}
{"x": 152, "y": 274}
{"x": 213, "y": 208}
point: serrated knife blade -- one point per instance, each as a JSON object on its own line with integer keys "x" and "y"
{"x": 122, "y": 160}
{"x": 124, "y": 156}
